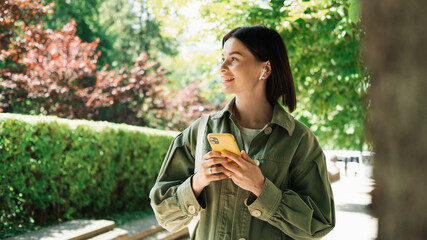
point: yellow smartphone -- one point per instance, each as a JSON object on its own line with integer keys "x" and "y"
{"x": 223, "y": 141}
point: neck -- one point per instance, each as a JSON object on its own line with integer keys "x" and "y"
{"x": 253, "y": 112}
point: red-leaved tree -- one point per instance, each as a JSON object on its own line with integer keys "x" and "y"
{"x": 16, "y": 18}
{"x": 44, "y": 71}
{"x": 58, "y": 64}
{"x": 186, "y": 106}
{"x": 131, "y": 95}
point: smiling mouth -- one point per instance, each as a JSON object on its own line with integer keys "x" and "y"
{"x": 227, "y": 80}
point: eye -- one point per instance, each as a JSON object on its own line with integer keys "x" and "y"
{"x": 234, "y": 59}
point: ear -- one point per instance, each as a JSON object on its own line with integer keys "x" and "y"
{"x": 268, "y": 67}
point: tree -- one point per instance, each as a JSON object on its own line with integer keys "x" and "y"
{"x": 323, "y": 44}
{"x": 396, "y": 56}
{"x": 134, "y": 96}
{"x": 125, "y": 28}
{"x": 56, "y": 73}
{"x": 323, "y": 41}
{"x": 186, "y": 106}
{"x": 17, "y": 18}
{"x": 86, "y": 15}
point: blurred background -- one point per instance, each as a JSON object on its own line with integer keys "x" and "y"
{"x": 131, "y": 61}
{"x": 154, "y": 63}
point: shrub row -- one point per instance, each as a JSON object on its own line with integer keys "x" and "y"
{"x": 54, "y": 169}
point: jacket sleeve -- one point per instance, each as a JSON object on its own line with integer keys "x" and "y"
{"x": 172, "y": 197}
{"x": 306, "y": 209}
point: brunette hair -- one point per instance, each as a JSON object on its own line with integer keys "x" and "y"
{"x": 267, "y": 45}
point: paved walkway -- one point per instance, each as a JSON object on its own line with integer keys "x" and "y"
{"x": 353, "y": 219}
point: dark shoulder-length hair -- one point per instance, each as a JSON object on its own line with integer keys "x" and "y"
{"x": 267, "y": 45}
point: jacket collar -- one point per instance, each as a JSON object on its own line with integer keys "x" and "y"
{"x": 280, "y": 116}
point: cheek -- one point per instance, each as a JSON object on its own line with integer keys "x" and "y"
{"x": 234, "y": 68}
{"x": 242, "y": 70}
{"x": 245, "y": 71}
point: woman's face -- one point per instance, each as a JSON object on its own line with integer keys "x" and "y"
{"x": 240, "y": 69}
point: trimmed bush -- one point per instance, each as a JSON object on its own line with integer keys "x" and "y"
{"x": 54, "y": 169}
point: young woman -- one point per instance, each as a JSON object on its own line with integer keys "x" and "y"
{"x": 278, "y": 187}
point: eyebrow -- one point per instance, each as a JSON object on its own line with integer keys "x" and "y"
{"x": 235, "y": 52}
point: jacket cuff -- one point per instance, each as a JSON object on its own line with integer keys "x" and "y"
{"x": 187, "y": 200}
{"x": 267, "y": 203}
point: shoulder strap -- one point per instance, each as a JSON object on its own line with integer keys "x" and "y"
{"x": 200, "y": 139}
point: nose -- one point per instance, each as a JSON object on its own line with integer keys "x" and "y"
{"x": 223, "y": 68}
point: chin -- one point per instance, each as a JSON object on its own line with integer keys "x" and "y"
{"x": 226, "y": 90}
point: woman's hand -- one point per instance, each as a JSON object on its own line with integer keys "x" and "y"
{"x": 211, "y": 169}
{"x": 246, "y": 175}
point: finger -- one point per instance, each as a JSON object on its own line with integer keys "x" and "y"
{"x": 247, "y": 158}
{"x": 217, "y": 177}
{"x": 213, "y": 161}
{"x": 234, "y": 157}
{"x": 217, "y": 169}
{"x": 213, "y": 170}
{"x": 211, "y": 154}
{"x": 220, "y": 169}
{"x": 230, "y": 167}
{"x": 228, "y": 173}
{"x": 209, "y": 169}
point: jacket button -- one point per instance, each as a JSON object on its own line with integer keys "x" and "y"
{"x": 191, "y": 209}
{"x": 268, "y": 130}
{"x": 256, "y": 213}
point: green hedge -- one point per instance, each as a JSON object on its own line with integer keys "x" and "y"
{"x": 54, "y": 169}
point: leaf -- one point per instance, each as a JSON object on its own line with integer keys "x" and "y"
{"x": 354, "y": 11}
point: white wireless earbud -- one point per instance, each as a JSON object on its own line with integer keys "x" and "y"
{"x": 263, "y": 72}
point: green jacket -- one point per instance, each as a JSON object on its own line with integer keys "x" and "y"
{"x": 295, "y": 203}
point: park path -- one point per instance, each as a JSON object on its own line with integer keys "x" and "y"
{"x": 353, "y": 218}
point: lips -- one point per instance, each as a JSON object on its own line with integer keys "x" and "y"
{"x": 227, "y": 79}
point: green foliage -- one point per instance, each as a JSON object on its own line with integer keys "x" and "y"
{"x": 59, "y": 76}
{"x": 86, "y": 14}
{"x": 323, "y": 39}
{"x": 354, "y": 11}
{"x": 53, "y": 169}
{"x": 199, "y": 66}
{"x": 322, "y": 36}
{"x": 324, "y": 52}
{"x": 125, "y": 28}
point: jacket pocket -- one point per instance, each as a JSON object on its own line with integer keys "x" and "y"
{"x": 276, "y": 170}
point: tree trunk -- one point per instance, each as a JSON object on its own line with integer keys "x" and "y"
{"x": 396, "y": 54}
